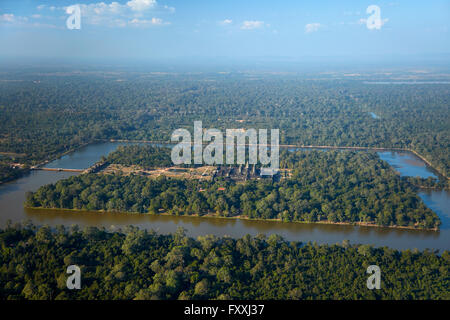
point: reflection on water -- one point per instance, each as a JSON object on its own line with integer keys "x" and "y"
{"x": 84, "y": 157}
{"x": 373, "y": 115}
{"x": 407, "y": 164}
{"x": 12, "y": 196}
{"x": 322, "y": 233}
{"x": 439, "y": 202}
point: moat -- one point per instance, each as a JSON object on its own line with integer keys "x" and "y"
{"x": 12, "y": 196}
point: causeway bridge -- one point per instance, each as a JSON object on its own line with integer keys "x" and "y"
{"x": 58, "y": 169}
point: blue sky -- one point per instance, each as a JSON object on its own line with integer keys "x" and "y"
{"x": 227, "y": 29}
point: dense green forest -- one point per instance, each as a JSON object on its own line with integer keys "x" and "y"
{"x": 430, "y": 182}
{"x": 146, "y": 156}
{"x": 138, "y": 264}
{"x": 65, "y": 110}
{"x": 333, "y": 186}
{"x": 8, "y": 173}
{"x": 149, "y": 156}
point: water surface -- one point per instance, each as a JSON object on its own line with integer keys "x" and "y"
{"x": 407, "y": 164}
{"x": 12, "y": 196}
{"x": 373, "y": 115}
{"x": 84, "y": 157}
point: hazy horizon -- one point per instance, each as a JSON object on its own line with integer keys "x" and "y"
{"x": 231, "y": 32}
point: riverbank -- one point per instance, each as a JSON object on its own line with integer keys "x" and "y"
{"x": 239, "y": 217}
{"x": 58, "y": 156}
{"x": 419, "y": 187}
{"x": 362, "y": 224}
{"x": 428, "y": 163}
{"x": 12, "y": 198}
{"x": 72, "y": 150}
{"x": 39, "y": 166}
{"x": 19, "y": 175}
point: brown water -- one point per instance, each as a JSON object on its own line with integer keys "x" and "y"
{"x": 12, "y": 196}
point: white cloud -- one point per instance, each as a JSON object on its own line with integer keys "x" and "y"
{"x": 143, "y": 22}
{"x": 102, "y": 13}
{"x": 10, "y": 18}
{"x": 312, "y": 27}
{"x": 7, "y": 17}
{"x": 112, "y": 14}
{"x": 249, "y": 25}
{"x": 115, "y": 14}
{"x": 226, "y": 22}
{"x": 170, "y": 9}
{"x": 140, "y": 5}
{"x": 362, "y": 21}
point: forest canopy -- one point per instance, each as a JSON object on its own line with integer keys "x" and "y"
{"x": 47, "y": 119}
{"x": 326, "y": 186}
{"x": 137, "y": 264}
{"x": 145, "y": 156}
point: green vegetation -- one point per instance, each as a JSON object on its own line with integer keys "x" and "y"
{"x": 45, "y": 119}
{"x": 143, "y": 265}
{"x": 62, "y": 111}
{"x": 333, "y": 186}
{"x": 146, "y": 156}
{"x": 8, "y": 173}
{"x": 430, "y": 182}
